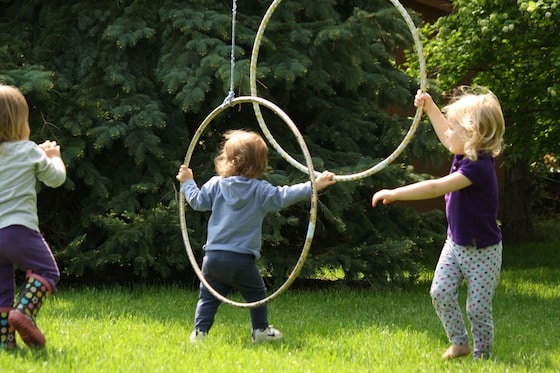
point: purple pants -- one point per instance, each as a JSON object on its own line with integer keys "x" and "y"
{"x": 28, "y": 250}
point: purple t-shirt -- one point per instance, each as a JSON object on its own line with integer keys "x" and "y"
{"x": 472, "y": 212}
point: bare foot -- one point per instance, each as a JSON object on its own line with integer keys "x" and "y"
{"x": 455, "y": 351}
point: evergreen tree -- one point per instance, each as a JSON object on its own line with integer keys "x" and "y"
{"x": 123, "y": 85}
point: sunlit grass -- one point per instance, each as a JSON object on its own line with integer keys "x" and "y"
{"x": 146, "y": 329}
{"x": 540, "y": 283}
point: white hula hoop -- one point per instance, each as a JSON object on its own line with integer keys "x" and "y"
{"x": 380, "y": 165}
{"x": 312, "y": 213}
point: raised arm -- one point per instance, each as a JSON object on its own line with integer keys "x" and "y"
{"x": 438, "y": 120}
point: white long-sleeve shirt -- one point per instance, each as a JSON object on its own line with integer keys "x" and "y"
{"x": 22, "y": 163}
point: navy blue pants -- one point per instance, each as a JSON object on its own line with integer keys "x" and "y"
{"x": 27, "y": 249}
{"x": 226, "y": 271}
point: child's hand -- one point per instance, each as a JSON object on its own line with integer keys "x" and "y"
{"x": 184, "y": 174}
{"x": 51, "y": 148}
{"x": 385, "y": 195}
{"x": 421, "y": 98}
{"x": 324, "y": 180}
{"x": 425, "y": 100}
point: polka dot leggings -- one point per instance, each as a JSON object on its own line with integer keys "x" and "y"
{"x": 480, "y": 268}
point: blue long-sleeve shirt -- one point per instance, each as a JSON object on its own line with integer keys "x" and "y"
{"x": 238, "y": 206}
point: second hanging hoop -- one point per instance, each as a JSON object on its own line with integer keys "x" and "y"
{"x": 312, "y": 212}
{"x": 380, "y": 165}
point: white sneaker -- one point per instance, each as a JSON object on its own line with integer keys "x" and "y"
{"x": 266, "y": 335}
{"x": 197, "y": 336}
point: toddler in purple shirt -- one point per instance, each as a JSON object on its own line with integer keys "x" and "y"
{"x": 472, "y": 129}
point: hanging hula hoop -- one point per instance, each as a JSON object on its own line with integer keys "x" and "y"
{"x": 375, "y": 168}
{"x": 312, "y": 213}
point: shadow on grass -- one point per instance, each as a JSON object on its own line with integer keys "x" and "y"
{"x": 526, "y": 310}
{"x": 327, "y": 320}
{"x": 41, "y": 356}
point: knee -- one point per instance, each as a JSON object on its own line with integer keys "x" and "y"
{"x": 440, "y": 294}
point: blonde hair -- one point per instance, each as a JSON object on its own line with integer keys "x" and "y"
{"x": 243, "y": 153}
{"x": 480, "y": 115}
{"x": 14, "y": 114}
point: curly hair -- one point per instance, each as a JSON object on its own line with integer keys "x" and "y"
{"x": 243, "y": 153}
{"x": 480, "y": 115}
{"x": 14, "y": 114}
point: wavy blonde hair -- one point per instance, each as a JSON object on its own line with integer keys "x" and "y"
{"x": 479, "y": 113}
{"x": 14, "y": 114}
{"x": 243, "y": 153}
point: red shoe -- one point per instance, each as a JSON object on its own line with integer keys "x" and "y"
{"x": 28, "y": 331}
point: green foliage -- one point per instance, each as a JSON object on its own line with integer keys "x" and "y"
{"x": 514, "y": 49}
{"x": 122, "y": 85}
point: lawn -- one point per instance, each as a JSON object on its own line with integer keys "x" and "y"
{"x": 145, "y": 329}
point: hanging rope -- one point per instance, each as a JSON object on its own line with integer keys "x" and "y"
{"x": 312, "y": 211}
{"x": 230, "y": 101}
{"x": 231, "y": 94}
{"x": 308, "y": 168}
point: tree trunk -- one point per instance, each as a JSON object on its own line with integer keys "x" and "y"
{"x": 517, "y": 202}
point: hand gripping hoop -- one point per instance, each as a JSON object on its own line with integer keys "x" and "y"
{"x": 375, "y": 168}
{"x": 312, "y": 213}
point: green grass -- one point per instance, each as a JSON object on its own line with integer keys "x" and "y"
{"x": 146, "y": 329}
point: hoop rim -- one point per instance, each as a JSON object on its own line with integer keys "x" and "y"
{"x": 376, "y": 167}
{"x": 312, "y": 212}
